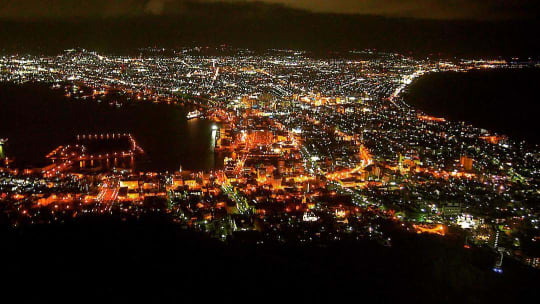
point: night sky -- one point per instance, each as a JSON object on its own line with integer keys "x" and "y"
{"x": 432, "y": 9}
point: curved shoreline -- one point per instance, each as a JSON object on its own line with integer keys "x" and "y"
{"x": 499, "y": 100}
{"x": 37, "y": 119}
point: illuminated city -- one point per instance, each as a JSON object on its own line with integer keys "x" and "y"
{"x": 299, "y": 150}
{"x": 302, "y": 137}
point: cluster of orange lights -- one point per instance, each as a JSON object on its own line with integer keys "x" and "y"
{"x": 445, "y": 174}
{"x": 438, "y": 229}
{"x": 431, "y": 118}
{"x": 492, "y": 139}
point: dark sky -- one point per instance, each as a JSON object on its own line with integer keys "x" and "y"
{"x": 431, "y": 9}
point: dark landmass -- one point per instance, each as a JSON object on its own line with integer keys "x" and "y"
{"x": 503, "y": 100}
{"x": 262, "y": 26}
{"x": 151, "y": 259}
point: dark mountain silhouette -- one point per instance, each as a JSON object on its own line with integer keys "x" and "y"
{"x": 260, "y": 26}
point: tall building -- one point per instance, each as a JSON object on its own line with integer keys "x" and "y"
{"x": 466, "y": 162}
{"x": 2, "y": 148}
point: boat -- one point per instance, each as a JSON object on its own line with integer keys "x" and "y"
{"x": 194, "y": 114}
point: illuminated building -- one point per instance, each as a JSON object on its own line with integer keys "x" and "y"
{"x": 451, "y": 209}
{"x": 2, "y": 148}
{"x": 466, "y": 162}
{"x": 466, "y": 221}
{"x": 309, "y": 217}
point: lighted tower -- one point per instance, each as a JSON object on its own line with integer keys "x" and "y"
{"x": 2, "y": 148}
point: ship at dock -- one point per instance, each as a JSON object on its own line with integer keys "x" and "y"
{"x": 194, "y": 114}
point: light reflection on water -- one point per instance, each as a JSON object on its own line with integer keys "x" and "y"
{"x": 36, "y": 120}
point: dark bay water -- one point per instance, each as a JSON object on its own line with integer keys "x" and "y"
{"x": 505, "y": 100}
{"x": 37, "y": 119}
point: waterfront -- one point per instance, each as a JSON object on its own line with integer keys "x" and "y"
{"x": 503, "y": 100}
{"x": 194, "y": 151}
{"x": 37, "y": 119}
{"x": 310, "y": 162}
